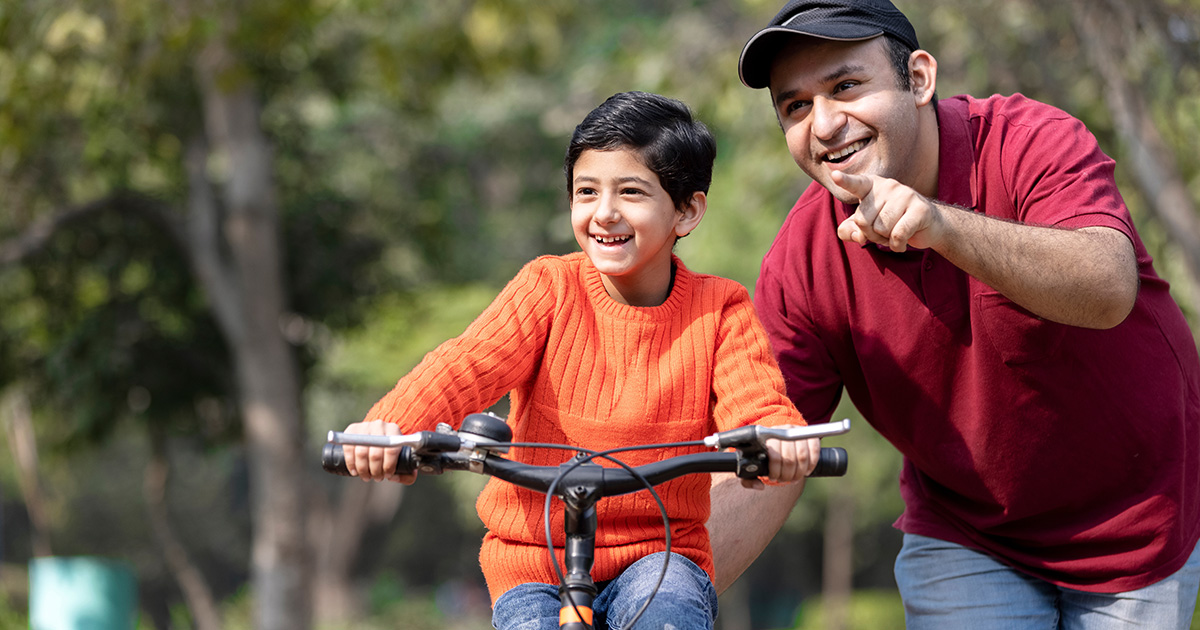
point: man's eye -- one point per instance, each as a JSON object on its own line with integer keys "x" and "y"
{"x": 845, "y": 85}
{"x": 795, "y": 106}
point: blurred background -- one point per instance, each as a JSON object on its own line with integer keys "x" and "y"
{"x": 228, "y": 227}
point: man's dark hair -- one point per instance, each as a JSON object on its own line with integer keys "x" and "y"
{"x": 671, "y": 142}
{"x": 898, "y": 53}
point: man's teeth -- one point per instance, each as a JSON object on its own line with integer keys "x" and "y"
{"x": 609, "y": 240}
{"x": 837, "y": 155}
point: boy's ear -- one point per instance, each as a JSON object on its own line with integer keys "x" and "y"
{"x": 688, "y": 217}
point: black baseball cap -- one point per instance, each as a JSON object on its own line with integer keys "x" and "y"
{"x": 843, "y": 20}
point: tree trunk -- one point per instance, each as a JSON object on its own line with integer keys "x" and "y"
{"x": 337, "y": 533}
{"x": 266, "y": 371}
{"x": 196, "y": 592}
{"x": 837, "y": 582}
{"x": 735, "y": 607}
{"x": 23, "y": 443}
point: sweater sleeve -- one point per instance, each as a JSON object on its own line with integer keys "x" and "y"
{"x": 469, "y": 373}
{"x": 747, "y": 385}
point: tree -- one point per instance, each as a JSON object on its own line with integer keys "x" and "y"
{"x": 227, "y": 233}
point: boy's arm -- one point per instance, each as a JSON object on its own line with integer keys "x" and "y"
{"x": 470, "y": 372}
{"x": 742, "y": 522}
{"x": 747, "y": 384}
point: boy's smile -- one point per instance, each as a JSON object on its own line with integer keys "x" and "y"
{"x": 627, "y": 224}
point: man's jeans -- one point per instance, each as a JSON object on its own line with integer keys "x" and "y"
{"x": 685, "y": 601}
{"x": 947, "y": 586}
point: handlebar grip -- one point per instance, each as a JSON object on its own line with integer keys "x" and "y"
{"x": 833, "y": 462}
{"x": 333, "y": 460}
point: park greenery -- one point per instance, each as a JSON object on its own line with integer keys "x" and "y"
{"x": 229, "y": 227}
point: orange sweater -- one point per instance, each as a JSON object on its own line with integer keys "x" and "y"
{"x": 586, "y": 370}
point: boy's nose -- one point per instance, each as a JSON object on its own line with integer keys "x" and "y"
{"x": 608, "y": 212}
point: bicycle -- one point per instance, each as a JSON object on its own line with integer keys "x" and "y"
{"x": 580, "y": 483}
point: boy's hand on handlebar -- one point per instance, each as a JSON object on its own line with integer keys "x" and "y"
{"x": 374, "y": 463}
{"x": 791, "y": 461}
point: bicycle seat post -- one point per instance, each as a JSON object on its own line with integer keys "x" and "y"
{"x": 578, "y": 590}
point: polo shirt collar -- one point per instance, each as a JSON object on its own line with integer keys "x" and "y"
{"x": 956, "y": 159}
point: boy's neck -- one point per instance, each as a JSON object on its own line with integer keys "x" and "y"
{"x": 641, "y": 294}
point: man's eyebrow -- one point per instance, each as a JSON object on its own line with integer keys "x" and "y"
{"x": 785, "y": 95}
{"x": 842, "y": 72}
{"x": 834, "y": 76}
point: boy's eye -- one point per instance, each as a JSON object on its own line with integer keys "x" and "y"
{"x": 584, "y": 192}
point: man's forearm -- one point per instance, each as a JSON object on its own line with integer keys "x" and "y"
{"x": 1083, "y": 277}
{"x": 743, "y": 521}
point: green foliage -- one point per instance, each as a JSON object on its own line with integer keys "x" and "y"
{"x": 868, "y": 610}
{"x": 12, "y": 616}
{"x": 398, "y": 331}
{"x": 120, "y": 331}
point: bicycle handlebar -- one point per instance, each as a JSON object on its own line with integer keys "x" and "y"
{"x": 581, "y": 482}
{"x": 433, "y": 452}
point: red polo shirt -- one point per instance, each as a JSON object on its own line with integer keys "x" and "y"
{"x": 1071, "y": 454}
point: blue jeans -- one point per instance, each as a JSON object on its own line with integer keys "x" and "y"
{"x": 948, "y": 586}
{"x": 685, "y": 601}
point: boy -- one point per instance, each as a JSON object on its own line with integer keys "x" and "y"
{"x": 616, "y": 345}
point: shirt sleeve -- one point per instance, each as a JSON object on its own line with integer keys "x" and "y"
{"x": 469, "y": 373}
{"x": 1059, "y": 176}
{"x": 747, "y": 385}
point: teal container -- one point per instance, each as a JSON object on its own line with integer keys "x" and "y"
{"x": 81, "y": 593}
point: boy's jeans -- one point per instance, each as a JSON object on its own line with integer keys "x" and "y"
{"x": 948, "y": 586}
{"x": 686, "y": 600}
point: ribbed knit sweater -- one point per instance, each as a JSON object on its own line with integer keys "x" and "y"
{"x": 585, "y": 370}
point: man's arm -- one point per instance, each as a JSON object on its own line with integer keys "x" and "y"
{"x": 742, "y": 522}
{"x": 1084, "y": 277}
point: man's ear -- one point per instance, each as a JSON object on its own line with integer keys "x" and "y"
{"x": 688, "y": 217}
{"x": 922, "y": 68}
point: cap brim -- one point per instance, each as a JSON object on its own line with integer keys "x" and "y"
{"x": 754, "y": 66}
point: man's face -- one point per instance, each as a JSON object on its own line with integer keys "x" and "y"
{"x": 841, "y": 107}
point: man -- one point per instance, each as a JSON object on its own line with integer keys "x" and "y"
{"x": 967, "y": 270}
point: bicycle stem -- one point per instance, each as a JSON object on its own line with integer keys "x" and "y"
{"x": 577, "y": 590}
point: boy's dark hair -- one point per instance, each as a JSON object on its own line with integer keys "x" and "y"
{"x": 670, "y": 141}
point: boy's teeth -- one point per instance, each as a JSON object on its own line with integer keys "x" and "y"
{"x": 612, "y": 239}
{"x": 846, "y": 151}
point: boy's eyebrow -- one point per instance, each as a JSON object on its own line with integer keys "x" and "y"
{"x": 620, "y": 180}
{"x": 831, "y": 77}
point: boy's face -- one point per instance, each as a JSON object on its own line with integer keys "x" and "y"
{"x": 626, "y": 223}
{"x": 842, "y": 108}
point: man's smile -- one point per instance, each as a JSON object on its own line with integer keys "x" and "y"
{"x": 844, "y": 153}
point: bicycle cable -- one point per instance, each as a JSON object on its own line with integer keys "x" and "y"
{"x": 591, "y": 455}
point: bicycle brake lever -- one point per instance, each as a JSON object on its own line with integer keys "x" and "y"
{"x": 423, "y": 441}
{"x": 754, "y": 434}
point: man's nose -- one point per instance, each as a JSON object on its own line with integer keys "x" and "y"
{"x": 827, "y": 118}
